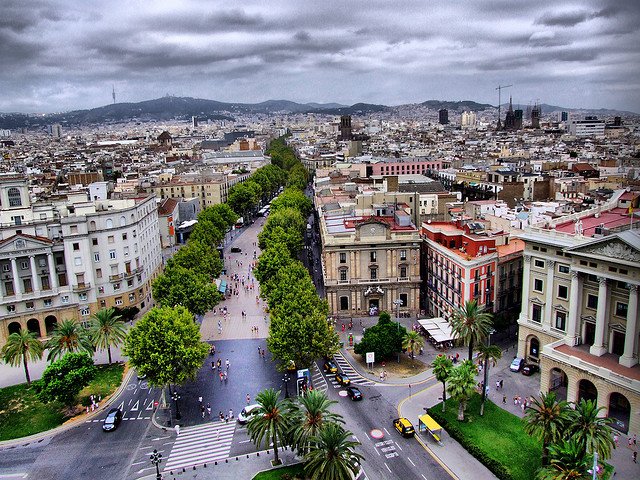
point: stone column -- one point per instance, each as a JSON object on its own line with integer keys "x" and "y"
{"x": 16, "y": 279}
{"x": 34, "y": 276}
{"x": 53, "y": 274}
{"x": 549, "y": 294}
{"x": 575, "y": 300}
{"x": 630, "y": 358}
{"x": 389, "y": 265}
{"x": 526, "y": 273}
{"x": 601, "y": 318}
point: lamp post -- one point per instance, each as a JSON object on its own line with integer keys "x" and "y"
{"x": 175, "y": 397}
{"x": 285, "y": 379}
{"x": 397, "y": 303}
{"x": 156, "y": 458}
{"x": 486, "y": 373}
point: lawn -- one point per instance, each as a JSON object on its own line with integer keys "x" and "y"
{"x": 22, "y": 414}
{"x": 406, "y": 367}
{"x": 498, "y": 435}
{"x": 285, "y": 473}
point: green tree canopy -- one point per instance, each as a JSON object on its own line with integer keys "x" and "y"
{"x": 106, "y": 330}
{"x": 221, "y": 216}
{"x": 182, "y": 286}
{"x": 442, "y": 366}
{"x": 21, "y": 348}
{"x": 270, "y": 425}
{"x": 298, "y": 177}
{"x": 269, "y": 262}
{"x": 242, "y": 198}
{"x": 63, "y": 379}
{"x": 547, "y": 420}
{"x": 293, "y": 198}
{"x": 309, "y": 414}
{"x": 68, "y": 336}
{"x": 165, "y": 345}
{"x": 291, "y": 281}
{"x": 284, "y": 226}
{"x": 333, "y": 456}
{"x": 470, "y": 323}
{"x": 206, "y": 233}
{"x": 199, "y": 258}
{"x": 412, "y": 342}
{"x": 462, "y": 385}
{"x": 591, "y": 431}
{"x": 384, "y": 338}
{"x": 567, "y": 462}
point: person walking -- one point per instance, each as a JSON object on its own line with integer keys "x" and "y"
{"x": 248, "y": 399}
{"x": 231, "y": 413}
{"x": 227, "y": 364}
{"x": 200, "y": 399}
{"x": 202, "y": 410}
{"x": 209, "y": 409}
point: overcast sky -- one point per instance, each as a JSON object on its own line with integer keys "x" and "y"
{"x": 67, "y": 54}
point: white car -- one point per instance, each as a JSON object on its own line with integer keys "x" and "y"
{"x": 248, "y": 413}
{"x": 517, "y": 364}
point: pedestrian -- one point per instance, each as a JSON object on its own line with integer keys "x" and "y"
{"x": 227, "y": 364}
{"x": 262, "y": 353}
{"x": 635, "y": 457}
{"x": 202, "y": 410}
{"x": 616, "y": 438}
{"x": 381, "y": 376}
{"x": 221, "y": 377}
{"x": 504, "y": 399}
{"x": 200, "y": 400}
{"x": 630, "y": 442}
{"x": 497, "y": 385}
{"x": 230, "y": 413}
{"x": 209, "y": 409}
{"x": 248, "y": 399}
{"x": 634, "y": 439}
{"x": 221, "y": 416}
{"x": 177, "y": 429}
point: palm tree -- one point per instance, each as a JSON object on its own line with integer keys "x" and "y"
{"x": 546, "y": 419}
{"x": 269, "y": 424}
{"x": 462, "y": 384}
{"x": 488, "y": 354}
{"x": 412, "y": 341}
{"x": 442, "y": 366}
{"x": 21, "y": 347}
{"x": 68, "y": 336}
{"x": 308, "y": 416}
{"x": 592, "y": 432}
{"x": 471, "y": 323}
{"x": 333, "y": 457}
{"x": 568, "y": 462}
{"x": 106, "y": 329}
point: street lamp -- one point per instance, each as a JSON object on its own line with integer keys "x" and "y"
{"x": 285, "y": 379}
{"x": 397, "y": 303}
{"x": 156, "y": 458}
{"x": 486, "y": 373}
{"x": 175, "y": 397}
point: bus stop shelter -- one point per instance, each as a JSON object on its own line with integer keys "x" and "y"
{"x": 428, "y": 424}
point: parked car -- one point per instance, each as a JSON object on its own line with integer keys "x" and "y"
{"x": 342, "y": 379}
{"x": 236, "y": 249}
{"x": 248, "y": 413}
{"x": 404, "y": 427}
{"x": 517, "y": 364}
{"x": 529, "y": 369}
{"x": 330, "y": 367}
{"x": 114, "y": 417}
{"x": 354, "y": 393}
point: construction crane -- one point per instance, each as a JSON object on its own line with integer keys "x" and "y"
{"x": 499, "y": 88}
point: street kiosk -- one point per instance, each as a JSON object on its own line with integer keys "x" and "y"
{"x": 426, "y": 423}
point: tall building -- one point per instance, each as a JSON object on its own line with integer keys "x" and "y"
{"x": 468, "y": 119}
{"x": 56, "y": 130}
{"x": 579, "y": 318}
{"x": 535, "y": 116}
{"x": 69, "y": 258}
{"x": 194, "y": 122}
{"x": 588, "y": 127}
{"x": 443, "y": 116}
{"x": 510, "y": 118}
{"x": 518, "y": 119}
{"x": 345, "y": 128}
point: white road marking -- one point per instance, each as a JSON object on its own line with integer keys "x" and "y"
{"x": 385, "y": 464}
{"x": 385, "y": 429}
{"x": 411, "y": 461}
{"x": 136, "y": 406}
{"x": 399, "y": 446}
{"x": 425, "y": 478}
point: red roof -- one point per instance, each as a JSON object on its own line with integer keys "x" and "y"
{"x": 610, "y": 219}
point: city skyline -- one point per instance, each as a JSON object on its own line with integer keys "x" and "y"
{"x": 60, "y": 56}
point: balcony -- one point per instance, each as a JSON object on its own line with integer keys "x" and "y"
{"x": 81, "y": 287}
{"x": 116, "y": 278}
{"x": 129, "y": 274}
{"x": 138, "y": 270}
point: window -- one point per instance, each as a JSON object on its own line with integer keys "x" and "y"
{"x": 538, "y": 285}
{"x": 82, "y": 297}
{"x": 24, "y": 265}
{"x": 403, "y": 272}
{"x": 109, "y": 223}
{"x": 124, "y": 236}
{"x": 561, "y": 320}
{"x": 42, "y": 262}
{"x": 126, "y": 251}
{"x": 129, "y": 283}
{"x": 344, "y": 303}
{"x": 14, "y": 197}
{"x": 11, "y": 308}
{"x": 74, "y": 229}
{"x": 98, "y": 273}
{"x": 116, "y": 286}
{"x": 343, "y": 275}
{"x": 94, "y": 241}
{"x": 563, "y": 268}
{"x": 85, "y": 312}
{"x": 29, "y": 305}
{"x": 538, "y": 263}
{"x": 6, "y": 267}
{"x": 374, "y": 274}
{"x": 76, "y": 247}
{"x": 404, "y": 298}
{"x": 372, "y": 256}
{"x": 343, "y": 257}
{"x": 44, "y": 281}
{"x": 563, "y": 292}
{"x": 536, "y": 313}
{"x": 77, "y": 261}
{"x": 592, "y": 301}
{"x": 132, "y": 297}
{"x": 112, "y": 254}
{"x": 403, "y": 254}
{"x": 101, "y": 289}
{"x": 118, "y": 300}
{"x": 111, "y": 239}
{"x": 64, "y": 298}
{"x": 96, "y": 257}
{"x": 103, "y": 303}
{"x": 47, "y": 302}
{"x": 621, "y": 309}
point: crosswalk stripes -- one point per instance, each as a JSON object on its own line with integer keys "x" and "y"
{"x": 318, "y": 380}
{"x": 201, "y": 444}
{"x": 354, "y": 376}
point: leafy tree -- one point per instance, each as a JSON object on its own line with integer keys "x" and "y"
{"x": 242, "y": 198}
{"x": 126, "y": 313}
{"x": 106, "y": 330}
{"x": 221, "y": 216}
{"x": 21, "y": 348}
{"x": 488, "y": 354}
{"x": 442, "y": 366}
{"x": 567, "y": 462}
{"x": 334, "y": 456}
{"x": 411, "y": 342}
{"x": 68, "y": 336}
{"x": 269, "y": 425}
{"x": 462, "y": 385}
{"x": 285, "y": 225}
{"x": 269, "y": 262}
{"x": 384, "y": 338}
{"x": 206, "y": 233}
{"x": 198, "y": 257}
{"x": 470, "y": 323}
{"x": 309, "y": 414}
{"x": 182, "y": 286}
{"x": 547, "y": 419}
{"x": 293, "y": 198}
{"x": 165, "y": 345}
{"x": 591, "y": 431}
{"x": 63, "y": 379}
{"x": 291, "y": 281}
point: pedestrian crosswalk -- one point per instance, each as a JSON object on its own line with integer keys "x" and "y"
{"x": 318, "y": 380}
{"x": 201, "y": 444}
{"x": 354, "y": 376}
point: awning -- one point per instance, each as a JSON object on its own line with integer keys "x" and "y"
{"x": 438, "y": 328}
{"x": 222, "y": 288}
{"x": 425, "y": 422}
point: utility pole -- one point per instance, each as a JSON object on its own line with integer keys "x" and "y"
{"x": 499, "y": 88}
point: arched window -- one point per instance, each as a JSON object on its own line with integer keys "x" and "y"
{"x": 92, "y": 226}
{"x": 14, "y": 197}
{"x": 123, "y": 221}
{"x": 109, "y": 223}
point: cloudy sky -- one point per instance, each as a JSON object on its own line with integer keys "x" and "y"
{"x": 67, "y": 54}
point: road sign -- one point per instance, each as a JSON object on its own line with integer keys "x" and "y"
{"x": 371, "y": 357}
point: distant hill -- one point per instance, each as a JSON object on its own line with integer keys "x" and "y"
{"x": 457, "y": 106}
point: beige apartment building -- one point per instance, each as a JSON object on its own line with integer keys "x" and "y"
{"x": 579, "y": 317}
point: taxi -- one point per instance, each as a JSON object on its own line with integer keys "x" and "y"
{"x": 404, "y": 427}
{"x": 342, "y": 379}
